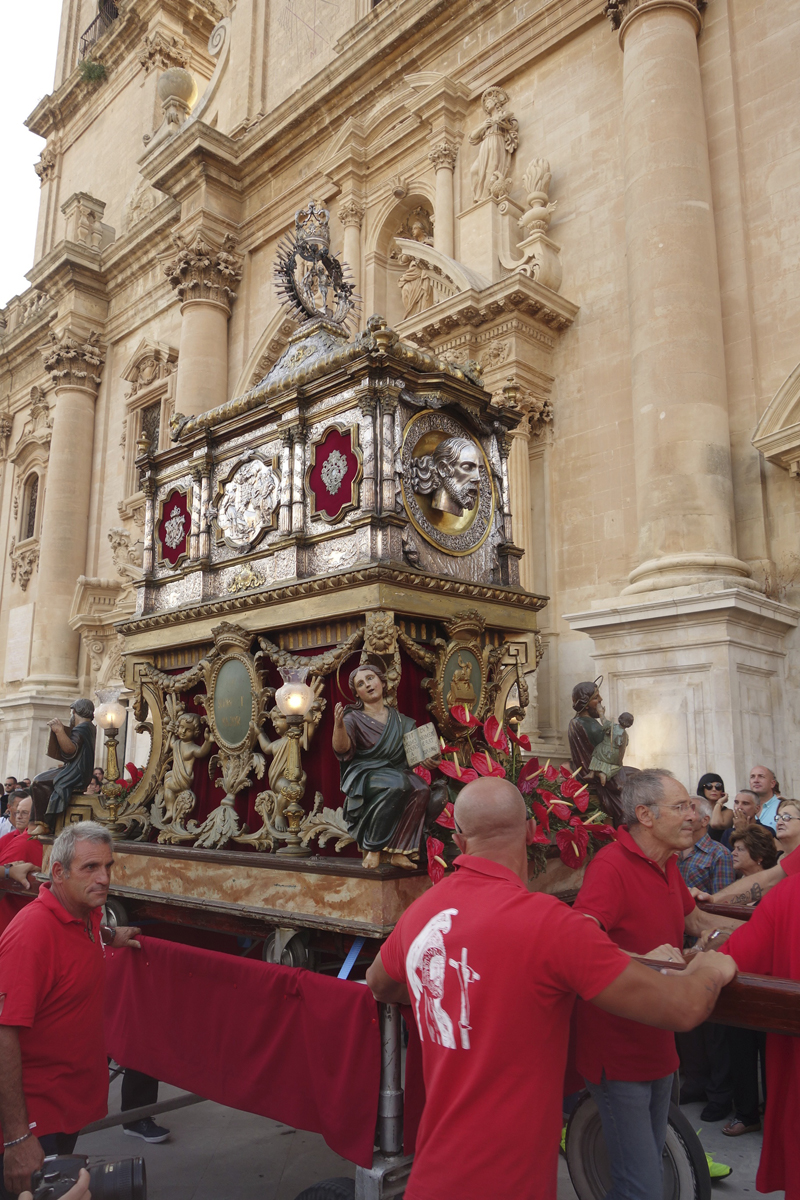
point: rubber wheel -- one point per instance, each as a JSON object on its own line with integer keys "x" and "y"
{"x": 294, "y": 953}
{"x": 114, "y": 914}
{"x": 686, "y": 1174}
{"x": 330, "y": 1189}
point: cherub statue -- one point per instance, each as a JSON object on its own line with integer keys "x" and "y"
{"x": 278, "y": 751}
{"x": 185, "y": 753}
{"x": 608, "y": 754}
{"x": 386, "y": 803}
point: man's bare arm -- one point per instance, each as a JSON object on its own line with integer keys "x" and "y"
{"x": 751, "y": 888}
{"x": 19, "y": 1161}
{"x": 698, "y": 922}
{"x": 679, "y": 1000}
{"x": 383, "y": 987}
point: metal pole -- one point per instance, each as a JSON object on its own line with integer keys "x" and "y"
{"x": 390, "y": 1100}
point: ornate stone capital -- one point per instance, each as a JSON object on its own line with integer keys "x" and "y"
{"x": 199, "y": 272}
{"x": 74, "y": 361}
{"x": 618, "y": 11}
{"x": 444, "y": 155}
{"x": 350, "y": 212}
{"x": 45, "y": 167}
{"x": 162, "y": 52}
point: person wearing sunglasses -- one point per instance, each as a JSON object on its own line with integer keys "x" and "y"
{"x": 711, "y": 787}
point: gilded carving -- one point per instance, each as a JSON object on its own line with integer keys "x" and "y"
{"x": 247, "y": 501}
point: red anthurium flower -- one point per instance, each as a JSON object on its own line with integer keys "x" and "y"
{"x": 573, "y": 844}
{"x": 542, "y": 816}
{"x": 460, "y": 713}
{"x": 541, "y": 838}
{"x": 423, "y": 772}
{"x": 550, "y": 773}
{"x": 460, "y": 774}
{"x": 570, "y": 786}
{"x": 436, "y": 864}
{"x": 556, "y": 806}
{"x": 446, "y": 818}
{"x": 484, "y": 764}
{"x": 495, "y": 734}
{"x": 526, "y": 780}
{"x": 565, "y": 771}
{"x": 603, "y": 833}
{"x": 135, "y": 772}
{"x": 521, "y": 739}
{"x": 450, "y": 750}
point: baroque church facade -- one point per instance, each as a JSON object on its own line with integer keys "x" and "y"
{"x": 596, "y": 204}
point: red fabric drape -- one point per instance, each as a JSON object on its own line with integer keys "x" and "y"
{"x": 277, "y": 1041}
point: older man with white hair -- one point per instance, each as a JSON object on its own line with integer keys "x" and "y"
{"x": 53, "y": 1069}
{"x": 705, "y": 864}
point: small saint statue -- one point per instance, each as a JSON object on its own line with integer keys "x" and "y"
{"x": 588, "y": 731}
{"x": 386, "y": 803}
{"x": 74, "y": 745}
{"x": 608, "y": 754}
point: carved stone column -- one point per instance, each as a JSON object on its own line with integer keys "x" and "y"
{"x": 351, "y": 215}
{"x": 443, "y": 156}
{"x": 680, "y": 412}
{"x": 74, "y": 361}
{"x": 205, "y": 280}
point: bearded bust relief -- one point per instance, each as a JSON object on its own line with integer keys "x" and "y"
{"x": 451, "y": 474}
{"x": 446, "y": 483}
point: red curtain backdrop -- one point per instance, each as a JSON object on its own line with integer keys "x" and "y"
{"x": 281, "y": 1042}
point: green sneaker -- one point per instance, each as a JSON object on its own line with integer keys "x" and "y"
{"x": 717, "y": 1170}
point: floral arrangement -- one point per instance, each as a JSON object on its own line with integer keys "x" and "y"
{"x": 566, "y": 814}
{"x": 135, "y": 773}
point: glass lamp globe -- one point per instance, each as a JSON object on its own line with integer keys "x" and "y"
{"x": 295, "y": 697}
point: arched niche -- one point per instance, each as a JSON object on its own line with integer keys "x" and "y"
{"x": 383, "y": 266}
{"x": 266, "y": 351}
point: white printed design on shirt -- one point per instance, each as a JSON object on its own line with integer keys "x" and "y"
{"x": 426, "y": 966}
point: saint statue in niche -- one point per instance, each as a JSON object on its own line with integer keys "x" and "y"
{"x": 461, "y": 689}
{"x": 498, "y": 138}
{"x": 451, "y": 473}
{"x": 386, "y": 804}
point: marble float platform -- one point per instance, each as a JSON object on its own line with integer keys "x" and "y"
{"x": 248, "y": 893}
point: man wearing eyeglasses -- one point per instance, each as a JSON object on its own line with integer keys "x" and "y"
{"x": 634, "y": 890}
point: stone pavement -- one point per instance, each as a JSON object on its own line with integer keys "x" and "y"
{"x": 220, "y": 1154}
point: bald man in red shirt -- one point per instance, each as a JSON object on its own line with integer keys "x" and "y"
{"x": 493, "y": 971}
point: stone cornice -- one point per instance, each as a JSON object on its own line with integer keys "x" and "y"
{"x": 321, "y": 584}
{"x": 70, "y": 267}
{"x": 516, "y": 293}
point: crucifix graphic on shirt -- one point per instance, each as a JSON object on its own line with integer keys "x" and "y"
{"x": 466, "y": 976}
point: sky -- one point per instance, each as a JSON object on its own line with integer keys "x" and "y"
{"x": 25, "y": 79}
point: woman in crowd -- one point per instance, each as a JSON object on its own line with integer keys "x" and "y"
{"x": 712, "y": 788}
{"x": 787, "y": 825}
{"x": 753, "y": 850}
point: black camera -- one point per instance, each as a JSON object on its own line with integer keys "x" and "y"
{"x": 122, "y": 1180}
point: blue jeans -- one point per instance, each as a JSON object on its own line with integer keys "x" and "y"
{"x": 634, "y": 1117}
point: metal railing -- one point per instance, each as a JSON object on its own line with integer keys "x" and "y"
{"x": 106, "y": 16}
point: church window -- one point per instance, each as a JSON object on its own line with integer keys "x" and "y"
{"x": 29, "y": 510}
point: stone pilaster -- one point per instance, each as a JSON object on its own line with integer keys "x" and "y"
{"x": 74, "y": 360}
{"x": 205, "y": 280}
{"x": 680, "y": 413}
{"x": 443, "y": 156}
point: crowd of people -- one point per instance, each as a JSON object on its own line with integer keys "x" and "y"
{"x": 494, "y": 975}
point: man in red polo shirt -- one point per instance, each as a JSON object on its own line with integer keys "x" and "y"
{"x": 493, "y": 971}
{"x": 53, "y": 1069}
{"x": 20, "y": 854}
{"x": 635, "y": 892}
